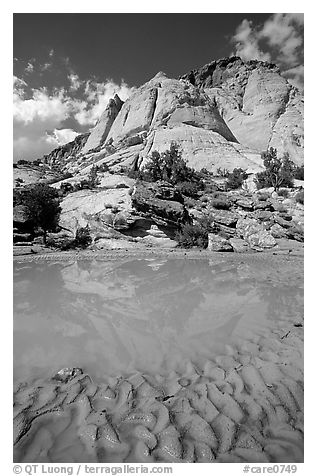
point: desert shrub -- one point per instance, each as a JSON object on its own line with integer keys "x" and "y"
{"x": 103, "y": 167}
{"x": 196, "y": 234}
{"x": 262, "y": 197}
{"x": 19, "y": 182}
{"x": 66, "y": 175}
{"x": 92, "y": 180}
{"x": 236, "y": 178}
{"x": 189, "y": 189}
{"x": 299, "y": 172}
{"x": 278, "y": 172}
{"x": 220, "y": 204}
{"x": 22, "y": 162}
{"x": 192, "y": 235}
{"x": 283, "y": 193}
{"x": 299, "y": 197}
{"x": 66, "y": 188}
{"x": 206, "y": 172}
{"x": 82, "y": 238}
{"x": 222, "y": 172}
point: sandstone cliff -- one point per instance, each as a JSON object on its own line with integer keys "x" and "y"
{"x": 221, "y": 115}
{"x": 259, "y": 106}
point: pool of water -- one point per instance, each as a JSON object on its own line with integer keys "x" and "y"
{"x": 151, "y": 315}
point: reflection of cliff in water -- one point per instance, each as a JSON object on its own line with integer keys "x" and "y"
{"x": 151, "y": 314}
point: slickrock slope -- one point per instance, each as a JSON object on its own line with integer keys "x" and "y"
{"x": 102, "y": 128}
{"x": 162, "y": 111}
{"x": 61, "y": 155}
{"x": 259, "y": 106}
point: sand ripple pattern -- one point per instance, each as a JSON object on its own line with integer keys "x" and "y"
{"x": 245, "y": 406}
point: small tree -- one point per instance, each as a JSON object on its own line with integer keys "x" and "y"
{"x": 93, "y": 179}
{"x": 236, "y": 178}
{"x": 168, "y": 166}
{"x": 278, "y": 172}
{"x": 299, "y": 172}
{"x": 42, "y": 207}
{"x": 82, "y": 238}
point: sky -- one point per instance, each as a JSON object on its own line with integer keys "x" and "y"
{"x": 66, "y": 67}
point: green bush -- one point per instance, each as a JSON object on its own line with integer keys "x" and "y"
{"x": 222, "y": 172}
{"x": 167, "y": 166}
{"x": 82, "y": 238}
{"x": 189, "y": 189}
{"x": 283, "y": 193}
{"x": 42, "y": 204}
{"x": 92, "y": 180}
{"x": 236, "y": 178}
{"x": 196, "y": 234}
{"x": 66, "y": 188}
{"x": 103, "y": 167}
{"x": 192, "y": 235}
{"x": 278, "y": 172}
{"x": 220, "y": 204}
{"x": 299, "y": 197}
{"x": 262, "y": 197}
{"x": 299, "y": 172}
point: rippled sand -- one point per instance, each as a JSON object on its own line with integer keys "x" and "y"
{"x": 244, "y": 406}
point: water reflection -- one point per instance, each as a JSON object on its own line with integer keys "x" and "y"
{"x": 152, "y": 314}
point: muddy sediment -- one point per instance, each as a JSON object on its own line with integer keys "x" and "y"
{"x": 243, "y": 406}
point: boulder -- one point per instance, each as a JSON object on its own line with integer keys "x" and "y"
{"x": 158, "y": 201}
{"x": 263, "y": 205}
{"x": 245, "y": 203}
{"x": 254, "y": 233}
{"x": 277, "y": 231}
{"x": 296, "y": 232}
{"x": 278, "y": 219}
{"x": 239, "y": 245}
{"x": 218, "y": 243}
{"x": 262, "y": 215}
{"x": 226, "y": 231}
{"x": 86, "y": 207}
{"x": 225, "y": 217}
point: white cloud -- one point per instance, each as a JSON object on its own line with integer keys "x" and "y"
{"x": 41, "y": 106}
{"x": 46, "y": 66}
{"x": 279, "y": 39}
{"x": 75, "y": 82}
{"x": 18, "y": 84}
{"x": 30, "y": 68}
{"x": 97, "y": 96}
{"x": 61, "y": 136}
{"x": 247, "y": 43}
{"x": 295, "y": 76}
{"x": 280, "y": 31}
